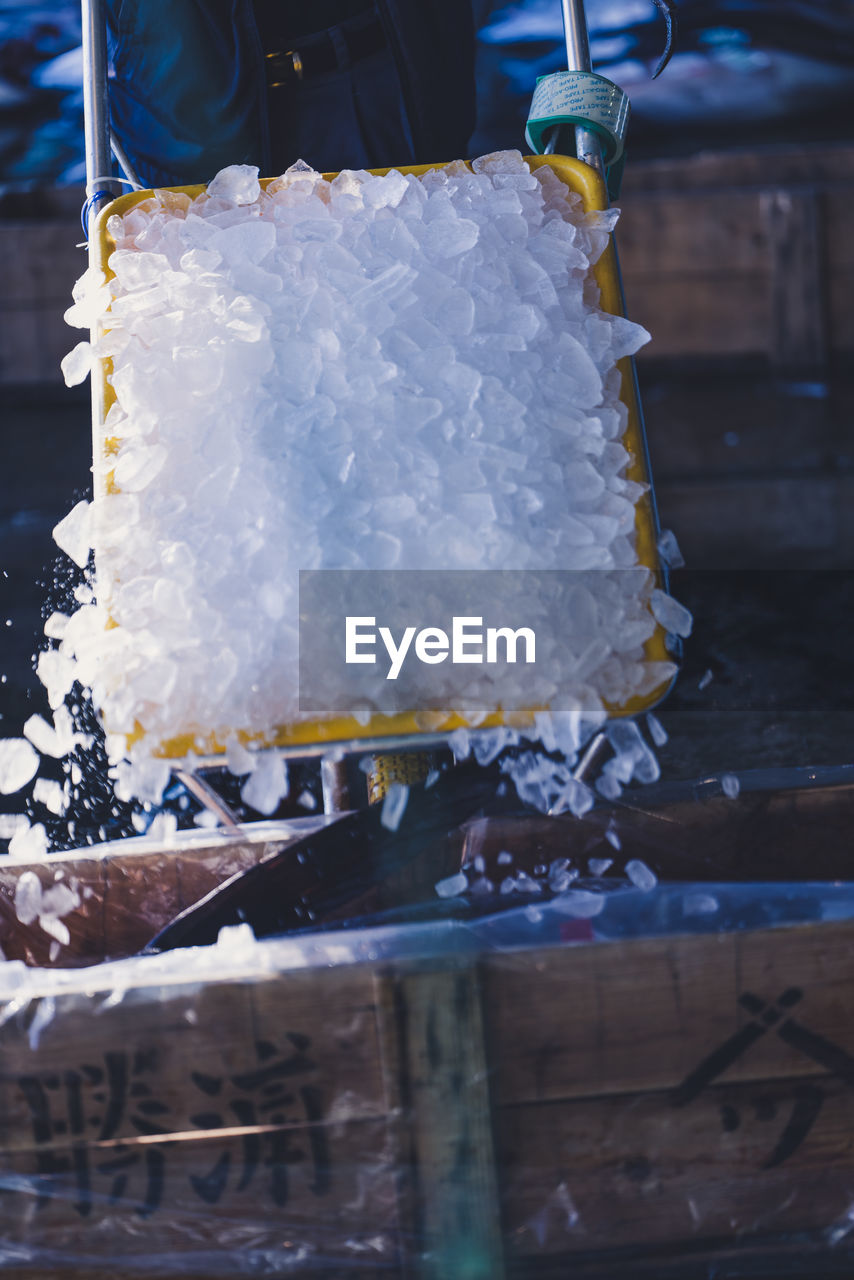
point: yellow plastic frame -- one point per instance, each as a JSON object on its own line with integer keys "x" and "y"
{"x": 581, "y": 179}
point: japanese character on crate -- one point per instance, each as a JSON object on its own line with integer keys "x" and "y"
{"x": 102, "y": 1133}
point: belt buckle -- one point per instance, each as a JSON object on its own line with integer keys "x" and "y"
{"x": 296, "y": 63}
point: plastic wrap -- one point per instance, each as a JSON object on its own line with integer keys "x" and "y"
{"x": 601, "y": 1081}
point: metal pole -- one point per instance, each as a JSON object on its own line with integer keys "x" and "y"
{"x": 96, "y": 110}
{"x": 587, "y": 145}
{"x": 335, "y": 782}
{"x": 589, "y": 149}
{"x": 124, "y": 164}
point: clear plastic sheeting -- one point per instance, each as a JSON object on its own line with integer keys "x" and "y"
{"x": 530, "y": 1059}
{"x": 534, "y": 1092}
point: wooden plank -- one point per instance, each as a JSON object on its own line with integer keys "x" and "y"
{"x": 766, "y": 1159}
{"x": 345, "y": 1270}
{"x": 788, "y": 165}
{"x": 694, "y": 235}
{"x": 181, "y": 1045}
{"x": 199, "y": 1119}
{"x": 348, "y": 1110}
{"x": 234, "y": 1204}
{"x": 130, "y": 890}
{"x": 618, "y": 1032}
{"x": 722, "y": 314}
{"x": 31, "y": 943}
{"x": 798, "y": 295}
{"x": 758, "y": 836}
{"x": 434, "y": 1049}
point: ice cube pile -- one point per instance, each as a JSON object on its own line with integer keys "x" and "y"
{"x": 372, "y": 372}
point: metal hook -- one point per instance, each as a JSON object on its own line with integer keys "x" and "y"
{"x": 667, "y": 9}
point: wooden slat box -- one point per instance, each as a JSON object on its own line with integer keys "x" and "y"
{"x": 633, "y": 1108}
{"x": 129, "y": 889}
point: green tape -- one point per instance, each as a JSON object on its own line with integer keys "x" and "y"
{"x": 579, "y": 98}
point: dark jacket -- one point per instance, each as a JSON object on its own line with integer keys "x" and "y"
{"x": 188, "y": 95}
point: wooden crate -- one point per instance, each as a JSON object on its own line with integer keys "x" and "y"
{"x": 128, "y": 890}
{"x": 131, "y": 889}
{"x": 742, "y": 253}
{"x": 638, "y": 1108}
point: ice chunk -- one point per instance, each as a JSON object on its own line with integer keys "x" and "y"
{"x": 640, "y": 875}
{"x": 656, "y": 729}
{"x": 56, "y": 929}
{"x": 705, "y": 679}
{"x": 59, "y": 899}
{"x": 448, "y": 237}
{"x": 452, "y": 886}
{"x": 73, "y": 533}
{"x": 51, "y": 795}
{"x": 668, "y": 549}
{"x": 145, "y": 778}
{"x": 238, "y": 184}
{"x": 77, "y": 365}
{"x": 163, "y": 827}
{"x": 45, "y": 738}
{"x": 598, "y": 866}
{"x": 237, "y": 942}
{"x": 206, "y": 819}
{"x": 673, "y": 616}
{"x": 267, "y": 784}
{"x": 387, "y": 192}
{"x": 579, "y": 903}
{"x": 501, "y": 162}
{"x": 575, "y": 796}
{"x": 526, "y": 883}
{"x": 238, "y": 758}
{"x": 44, "y": 1015}
{"x": 730, "y": 785}
{"x": 561, "y": 879}
{"x": 137, "y": 467}
{"x": 28, "y": 897}
{"x": 19, "y": 763}
{"x": 634, "y": 759}
{"x": 11, "y": 824}
{"x": 487, "y": 744}
{"x": 29, "y": 842}
{"x": 56, "y": 626}
{"x": 460, "y": 743}
{"x": 394, "y": 805}
{"x": 608, "y": 785}
{"x": 699, "y": 904}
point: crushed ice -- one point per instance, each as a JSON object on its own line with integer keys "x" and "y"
{"x": 421, "y": 370}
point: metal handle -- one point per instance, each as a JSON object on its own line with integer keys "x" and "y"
{"x": 96, "y": 111}
{"x": 587, "y": 145}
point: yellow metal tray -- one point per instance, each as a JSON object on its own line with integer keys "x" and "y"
{"x": 309, "y": 734}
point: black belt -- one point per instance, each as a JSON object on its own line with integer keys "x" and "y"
{"x": 319, "y": 55}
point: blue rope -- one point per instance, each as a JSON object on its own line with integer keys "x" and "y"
{"x": 89, "y": 205}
